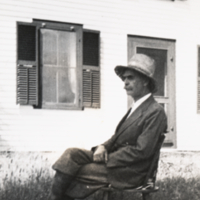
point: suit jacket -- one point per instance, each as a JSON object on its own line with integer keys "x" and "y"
{"x": 131, "y": 148}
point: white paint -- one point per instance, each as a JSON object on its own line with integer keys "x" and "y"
{"x": 25, "y": 128}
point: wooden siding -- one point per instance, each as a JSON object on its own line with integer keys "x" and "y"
{"x": 25, "y": 128}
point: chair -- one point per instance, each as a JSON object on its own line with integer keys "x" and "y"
{"x": 149, "y": 182}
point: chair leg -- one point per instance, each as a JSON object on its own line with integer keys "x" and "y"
{"x": 146, "y": 196}
{"x": 106, "y": 195}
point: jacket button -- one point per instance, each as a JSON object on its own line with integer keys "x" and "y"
{"x": 126, "y": 143}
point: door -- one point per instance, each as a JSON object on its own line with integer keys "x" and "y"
{"x": 163, "y": 52}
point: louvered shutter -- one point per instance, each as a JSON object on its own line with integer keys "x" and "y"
{"x": 27, "y": 64}
{"x": 198, "y": 82}
{"x": 91, "y": 69}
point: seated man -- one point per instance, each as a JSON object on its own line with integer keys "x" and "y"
{"x": 124, "y": 159}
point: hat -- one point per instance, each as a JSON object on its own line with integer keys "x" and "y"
{"x": 142, "y": 64}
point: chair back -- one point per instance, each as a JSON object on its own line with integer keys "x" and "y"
{"x": 151, "y": 175}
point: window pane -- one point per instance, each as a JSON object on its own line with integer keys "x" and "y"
{"x": 66, "y": 85}
{"x": 59, "y": 66}
{"x": 49, "y": 84}
{"x": 49, "y": 47}
{"x": 66, "y": 49}
{"x": 160, "y": 57}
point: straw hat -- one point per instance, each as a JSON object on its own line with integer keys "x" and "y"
{"x": 142, "y": 64}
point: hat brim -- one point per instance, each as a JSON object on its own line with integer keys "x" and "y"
{"x": 119, "y": 70}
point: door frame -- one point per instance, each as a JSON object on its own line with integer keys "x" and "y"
{"x": 135, "y": 41}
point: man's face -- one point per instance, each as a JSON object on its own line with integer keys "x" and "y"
{"x": 133, "y": 84}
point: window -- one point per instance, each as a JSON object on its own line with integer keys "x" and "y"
{"x": 57, "y": 65}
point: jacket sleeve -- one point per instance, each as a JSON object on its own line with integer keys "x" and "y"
{"x": 154, "y": 125}
{"x": 108, "y": 143}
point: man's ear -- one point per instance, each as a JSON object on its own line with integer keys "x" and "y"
{"x": 146, "y": 81}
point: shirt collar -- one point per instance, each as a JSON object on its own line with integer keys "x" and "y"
{"x": 136, "y": 104}
{"x": 140, "y": 101}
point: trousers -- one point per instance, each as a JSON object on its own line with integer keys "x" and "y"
{"x": 85, "y": 176}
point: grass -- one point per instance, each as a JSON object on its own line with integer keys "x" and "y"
{"x": 28, "y": 176}
{"x": 25, "y": 176}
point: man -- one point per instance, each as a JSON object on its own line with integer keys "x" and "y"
{"x": 124, "y": 159}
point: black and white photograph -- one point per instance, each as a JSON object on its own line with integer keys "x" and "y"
{"x": 99, "y": 100}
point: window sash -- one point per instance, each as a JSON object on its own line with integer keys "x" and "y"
{"x": 77, "y": 70}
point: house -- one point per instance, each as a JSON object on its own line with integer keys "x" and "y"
{"x": 57, "y": 82}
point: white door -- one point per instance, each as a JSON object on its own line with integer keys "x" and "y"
{"x": 163, "y": 52}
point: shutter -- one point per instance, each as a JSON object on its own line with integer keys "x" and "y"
{"x": 198, "y": 82}
{"x": 87, "y": 89}
{"x": 91, "y": 69}
{"x": 27, "y": 64}
{"x": 91, "y": 88}
{"x": 95, "y": 89}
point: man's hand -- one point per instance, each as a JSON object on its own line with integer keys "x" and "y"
{"x": 100, "y": 155}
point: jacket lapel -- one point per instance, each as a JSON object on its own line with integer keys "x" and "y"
{"x": 123, "y": 119}
{"x": 135, "y": 115}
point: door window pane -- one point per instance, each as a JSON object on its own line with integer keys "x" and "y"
{"x": 160, "y": 57}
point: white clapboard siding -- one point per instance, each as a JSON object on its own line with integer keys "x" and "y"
{"x": 28, "y": 129}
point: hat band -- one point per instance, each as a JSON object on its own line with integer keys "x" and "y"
{"x": 141, "y": 70}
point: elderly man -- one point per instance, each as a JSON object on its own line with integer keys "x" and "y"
{"x": 124, "y": 159}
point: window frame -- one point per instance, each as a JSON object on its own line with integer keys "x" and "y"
{"x": 79, "y": 31}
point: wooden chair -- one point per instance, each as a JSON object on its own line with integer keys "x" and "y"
{"x": 149, "y": 182}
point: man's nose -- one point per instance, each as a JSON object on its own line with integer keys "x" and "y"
{"x": 126, "y": 82}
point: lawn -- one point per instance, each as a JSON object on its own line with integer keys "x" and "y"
{"x": 28, "y": 176}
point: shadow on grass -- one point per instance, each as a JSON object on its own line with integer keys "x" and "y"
{"x": 28, "y": 176}
{"x": 28, "y": 191}
{"x": 170, "y": 189}
{"x": 178, "y": 188}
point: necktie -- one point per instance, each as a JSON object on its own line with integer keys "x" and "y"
{"x": 128, "y": 112}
